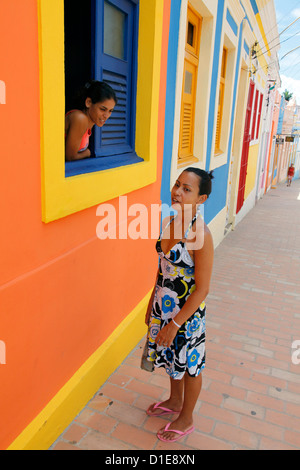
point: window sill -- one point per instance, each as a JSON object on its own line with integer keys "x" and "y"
{"x": 185, "y": 161}
{"x": 91, "y": 165}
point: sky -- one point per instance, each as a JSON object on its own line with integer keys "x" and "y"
{"x": 288, "y": 11}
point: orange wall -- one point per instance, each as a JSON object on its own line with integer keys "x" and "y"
{"x": 62, "y": 290}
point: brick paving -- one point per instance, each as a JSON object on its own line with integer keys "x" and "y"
{"x": 250, "y": 397}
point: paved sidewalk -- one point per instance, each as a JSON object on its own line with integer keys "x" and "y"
{"x": 251, "y": 389}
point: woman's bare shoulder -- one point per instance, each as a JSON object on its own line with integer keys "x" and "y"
{"x": 77, "y": 117}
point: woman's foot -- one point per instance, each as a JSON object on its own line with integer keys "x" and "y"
{"x": 164, "y": 407}
{"x": 181, "y": 427}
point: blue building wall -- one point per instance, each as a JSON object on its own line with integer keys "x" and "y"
{"x": 281, "y": 114}
{"x": 170, "y": 100}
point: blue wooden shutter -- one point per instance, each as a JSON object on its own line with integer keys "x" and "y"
{"x": 118, "y": 134}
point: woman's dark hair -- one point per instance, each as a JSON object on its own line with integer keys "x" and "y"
{"x": 205, "y": 179}
{"x": 97, "y": 91}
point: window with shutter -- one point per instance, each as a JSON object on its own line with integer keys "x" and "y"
{"x": 105, "y": 49}
{"x": 259, "y": 115}
{"x": 189, "y": 88}
{"x": 220, "y": 102}
{"x": 115, "y": 53}
{"x": 254, "y": 116}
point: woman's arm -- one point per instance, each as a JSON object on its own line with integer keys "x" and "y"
{"x": 165, "y": 221}
{"x": 203, "y": 260}
{"x": 150, "y": 303}
{"x": 78, "y": 125}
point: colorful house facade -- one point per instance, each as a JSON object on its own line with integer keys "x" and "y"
{"x": 220, "y": 109}
{"x": 192, "y": 80}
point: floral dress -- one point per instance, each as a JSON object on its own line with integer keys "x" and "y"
{"x": 174, "y": 285}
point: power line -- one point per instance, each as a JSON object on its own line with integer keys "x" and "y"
{"x": 282, "y": 18}
{"x": 275, "y": 61}
{"x": 270, "y": 63}
{"x": 289, "y": 52}
{"x": 295, "y": 72}
{"x": 276, "y": 38}
{"x": 290, "y": 67}
{"x": 276, "y": 26}
{"x": 289, "y": 25}
{"x": 281, "y": 42}
{"x": 294, "y": 75}
{"x": 268, "y": 48}
{"x": 261, "y": 67}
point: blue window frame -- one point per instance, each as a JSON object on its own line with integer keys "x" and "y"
{"x": 113, "y": 52}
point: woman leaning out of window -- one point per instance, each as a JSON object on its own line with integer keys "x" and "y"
{"x": 96, "y": 102}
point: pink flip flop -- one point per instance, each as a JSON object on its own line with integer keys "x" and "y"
{"x": 165, "y": 411}
{"x": 180, "y": 433}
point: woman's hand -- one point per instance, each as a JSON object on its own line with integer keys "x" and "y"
{"x": 166, "y": 335}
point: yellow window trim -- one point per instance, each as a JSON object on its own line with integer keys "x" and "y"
{"x": 218, "y": 150}
{"x": 63, "y": 196}
{"x": 194, "y": 19}
{"x": 187, "y": 113}
{"x": 185, "y": 161}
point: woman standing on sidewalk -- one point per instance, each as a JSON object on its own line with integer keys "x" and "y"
{"x": 176, "y": 311}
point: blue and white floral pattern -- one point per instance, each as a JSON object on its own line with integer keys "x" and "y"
{"x": 175, "y": 284}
